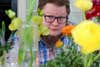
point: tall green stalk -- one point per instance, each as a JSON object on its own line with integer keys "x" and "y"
{"x": 26, "y": 39}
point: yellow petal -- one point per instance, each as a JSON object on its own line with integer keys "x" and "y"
{"x": 15, "y": 23}
{"x": 12, "y": 27}
{"x": 43, "y": 30}
{"x": 83, "y": 5}
{"x": 37, "y": 19}
{"x": 10, "y": 13}
{"x": 87, "y": 36}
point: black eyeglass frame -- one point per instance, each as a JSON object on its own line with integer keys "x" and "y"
{"x": 51, "y": 19}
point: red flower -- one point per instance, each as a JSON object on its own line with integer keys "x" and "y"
{"x": 95, "y": 11}
{"x": 96, "y": 2}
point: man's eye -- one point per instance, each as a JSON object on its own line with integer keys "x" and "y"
{"x": 60, "y": 18}
{"x": 50, "y": 16}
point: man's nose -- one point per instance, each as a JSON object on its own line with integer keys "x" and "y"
{"x": 55, "y": 22}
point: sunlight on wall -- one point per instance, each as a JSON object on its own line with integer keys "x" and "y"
{"x": 75, "y": 15}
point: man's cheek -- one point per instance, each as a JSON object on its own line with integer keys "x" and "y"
{"x": 46, "y": 24}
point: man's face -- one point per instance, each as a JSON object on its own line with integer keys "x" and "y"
{"x": 54, "y": 18}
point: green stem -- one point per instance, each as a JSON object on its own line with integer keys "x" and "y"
{"x": 32, "y": 57}
{"x": 27, "y": 37}
{"x": 84, "y": 17}
{"x": 97, "y": 56}
{"x": 85, "y": 60}
{"x": 98, "y": 19}
{"x": 30, "y": 10}
{"x": 90, "y": 60}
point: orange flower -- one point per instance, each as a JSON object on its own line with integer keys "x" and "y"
{"x": 58, "y": 44}
{"x": 67, "y": 30}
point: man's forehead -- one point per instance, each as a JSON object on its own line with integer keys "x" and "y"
{"x": 52, "y": 9}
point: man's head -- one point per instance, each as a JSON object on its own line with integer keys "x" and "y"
{"x": 65, "y": 3}
{"x": 55, "y": 14}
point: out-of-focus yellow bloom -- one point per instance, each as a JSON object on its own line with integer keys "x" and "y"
{"x": 37, "y": 19}
{"x": 87, "y": 36}
{"x": 10, "y": 13}
{"x": 83, "y": 5}
{"x": 43, "y": 30}
{"x": 15, "y": 24}
{"x": 40, "y": 12}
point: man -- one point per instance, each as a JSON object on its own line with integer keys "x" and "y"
{"x": 55, "y": 17}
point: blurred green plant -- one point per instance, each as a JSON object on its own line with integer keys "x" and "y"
{"x": 28, "y": 32}
{"x": 38, "y": 20}
{"x": 5, "y": 46}
{"x": 71, "y": 57}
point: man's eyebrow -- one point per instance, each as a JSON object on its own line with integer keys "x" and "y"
{"x": 56, "y": 16}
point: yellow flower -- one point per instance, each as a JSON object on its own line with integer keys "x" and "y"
{"x": 16, "y": 22}
{"x": 83, "y": 5}
{"x": 37, "y": 19}
{"x": 43, "y": 30}
{"x": 10, "y": 13}
{"x": 87, "y": 36}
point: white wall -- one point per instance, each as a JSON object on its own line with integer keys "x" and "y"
{"x": 76, "y": 14}
{"x": 22, "y": 9}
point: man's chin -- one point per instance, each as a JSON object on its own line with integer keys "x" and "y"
{"x": 55, "y": 34}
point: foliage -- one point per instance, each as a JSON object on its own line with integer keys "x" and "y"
{"x": 69, "y": 57}
{"x": 72, "y": 57}
{"x": 25, "y": 34}
{"x": 42, "y": 30}
{"x": 4, "y": 45}
{"x": 28, "y": 33}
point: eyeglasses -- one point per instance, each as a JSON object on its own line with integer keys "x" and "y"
{"x": 51, "y": 19}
